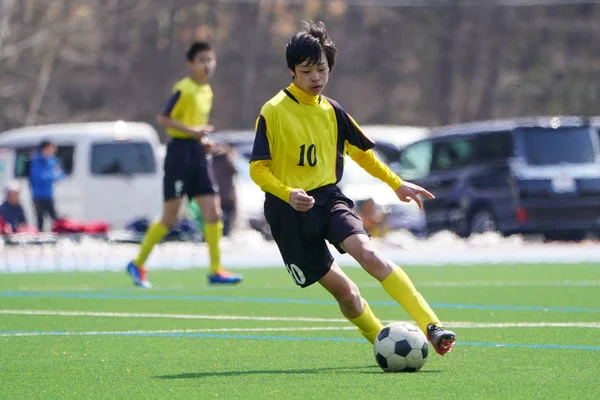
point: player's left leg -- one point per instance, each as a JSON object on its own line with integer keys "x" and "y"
{"x": 399, "y": 286}
{"x": 213, "y": 230}
{"x": 154, "y": 234}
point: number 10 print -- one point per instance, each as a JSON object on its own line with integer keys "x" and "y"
{"x": 311, "y": 155}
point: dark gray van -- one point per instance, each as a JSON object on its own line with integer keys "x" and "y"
{"x": 534, "y": 175}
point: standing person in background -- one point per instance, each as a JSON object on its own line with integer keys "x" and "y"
{"x": 185, "y": 117}
{"x": 44, "y": 170}
{"x": 223, "y": 164}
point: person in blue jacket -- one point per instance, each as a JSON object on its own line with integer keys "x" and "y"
{"x": 44, "y": 170}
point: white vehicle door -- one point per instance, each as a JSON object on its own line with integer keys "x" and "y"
{"x": 124, "y": 182}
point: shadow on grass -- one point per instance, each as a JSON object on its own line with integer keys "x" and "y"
{"x": 367, "y": 369}
{"x": 425, "y": 371}
{"x": 271, "y": 371}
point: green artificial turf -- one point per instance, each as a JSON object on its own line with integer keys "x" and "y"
{"x": 95, "y": 336}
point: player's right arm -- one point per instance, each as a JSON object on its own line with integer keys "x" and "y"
{"x": 164, "y": 119}
{"x": 261, "y": 173}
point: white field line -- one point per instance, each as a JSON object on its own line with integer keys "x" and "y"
{"x": 522, "y": 324}
{"x": 176, "y": 331}
{"x": 169, "y": 316}
{"x": 455, "y": 324}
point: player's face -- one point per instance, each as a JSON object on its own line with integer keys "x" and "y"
{"x": 49, "y": 151}
{"x": 203, "y": 65}
{"x": 312, "y": 78}
{"x": 13, "y": 198}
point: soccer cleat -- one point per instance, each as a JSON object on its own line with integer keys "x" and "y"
{"x": 138, "y": 275}
{"x": 224, "y": 277}
{"x": 441, "y": 339}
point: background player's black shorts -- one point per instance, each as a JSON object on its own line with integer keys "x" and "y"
{"x": 301, "y": 236}
{"x": 186, "y": 170}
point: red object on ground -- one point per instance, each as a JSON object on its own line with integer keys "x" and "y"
{"x": 71, "y": 226}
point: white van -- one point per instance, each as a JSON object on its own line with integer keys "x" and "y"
{"x": 113, "y": 171}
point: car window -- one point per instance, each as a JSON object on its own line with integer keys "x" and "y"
{"x": 548, "y": 146}
{"x": 451, "y": 154}
{"x": 128, "y": 158}
{"x": 494, "y": 146}
{"x": 23, "y": 156}
{"x": 415, "y": 160}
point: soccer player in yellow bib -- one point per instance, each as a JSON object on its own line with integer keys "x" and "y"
{"x": 297, "y": 159}
{"x": 185, "y": 117}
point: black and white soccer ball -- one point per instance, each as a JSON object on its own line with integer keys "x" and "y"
{"x": 401, "y": 347}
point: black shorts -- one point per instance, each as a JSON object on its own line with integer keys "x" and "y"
{"x": 301, "y": 236}
{"x": 186, "y": 170}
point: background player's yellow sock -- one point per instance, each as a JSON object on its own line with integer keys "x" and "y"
{"x": 368, "y": 325}
{"x": 155, "y": 233}
{"x": 212, "y": 235}
{"x": 399, "y": 286}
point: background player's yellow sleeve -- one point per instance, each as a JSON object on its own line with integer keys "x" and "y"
{"x": 262, "y": 176}
{"x": 369, "y": 162}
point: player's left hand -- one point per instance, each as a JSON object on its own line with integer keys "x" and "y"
{"x": 207, "y": 144}
{"x": 409, "y": 191}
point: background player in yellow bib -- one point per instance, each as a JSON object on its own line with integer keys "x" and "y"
{"x": 297, "y": 159}
{"x": 185, "y": 117}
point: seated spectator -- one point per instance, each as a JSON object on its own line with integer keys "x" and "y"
{"x": 11, "y": 211}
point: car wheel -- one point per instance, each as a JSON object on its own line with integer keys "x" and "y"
{"x": 483, "y": 221}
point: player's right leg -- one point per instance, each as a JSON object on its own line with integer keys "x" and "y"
{"x": 155, "y": 233}
{"x": 175, "y": 168}
{"x": 352, "y": 305}
{"x": 308, "y": 260}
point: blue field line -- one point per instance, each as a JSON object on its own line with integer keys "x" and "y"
{"x": 125, "y": 296}
{"x": 530, "y": 346}
{"x": 295, "y": 339}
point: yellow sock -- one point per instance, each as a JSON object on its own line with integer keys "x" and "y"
{"x": 399, "y": 286}
{"x": 212, "y": 235}
{"x": 368, "y": 325}
{"x": 155, "y": 233}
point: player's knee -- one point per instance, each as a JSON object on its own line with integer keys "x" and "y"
{"x": 369, "y": 258}
{"x": 169, "y": 217}
{"x": 168, "y": 220}
{"x": 213, "y": 216}
{"x": 350, "y": 297}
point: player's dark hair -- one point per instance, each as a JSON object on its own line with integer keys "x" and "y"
{"x": 195, "y": 48}
{"x": 308, "y": 44}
